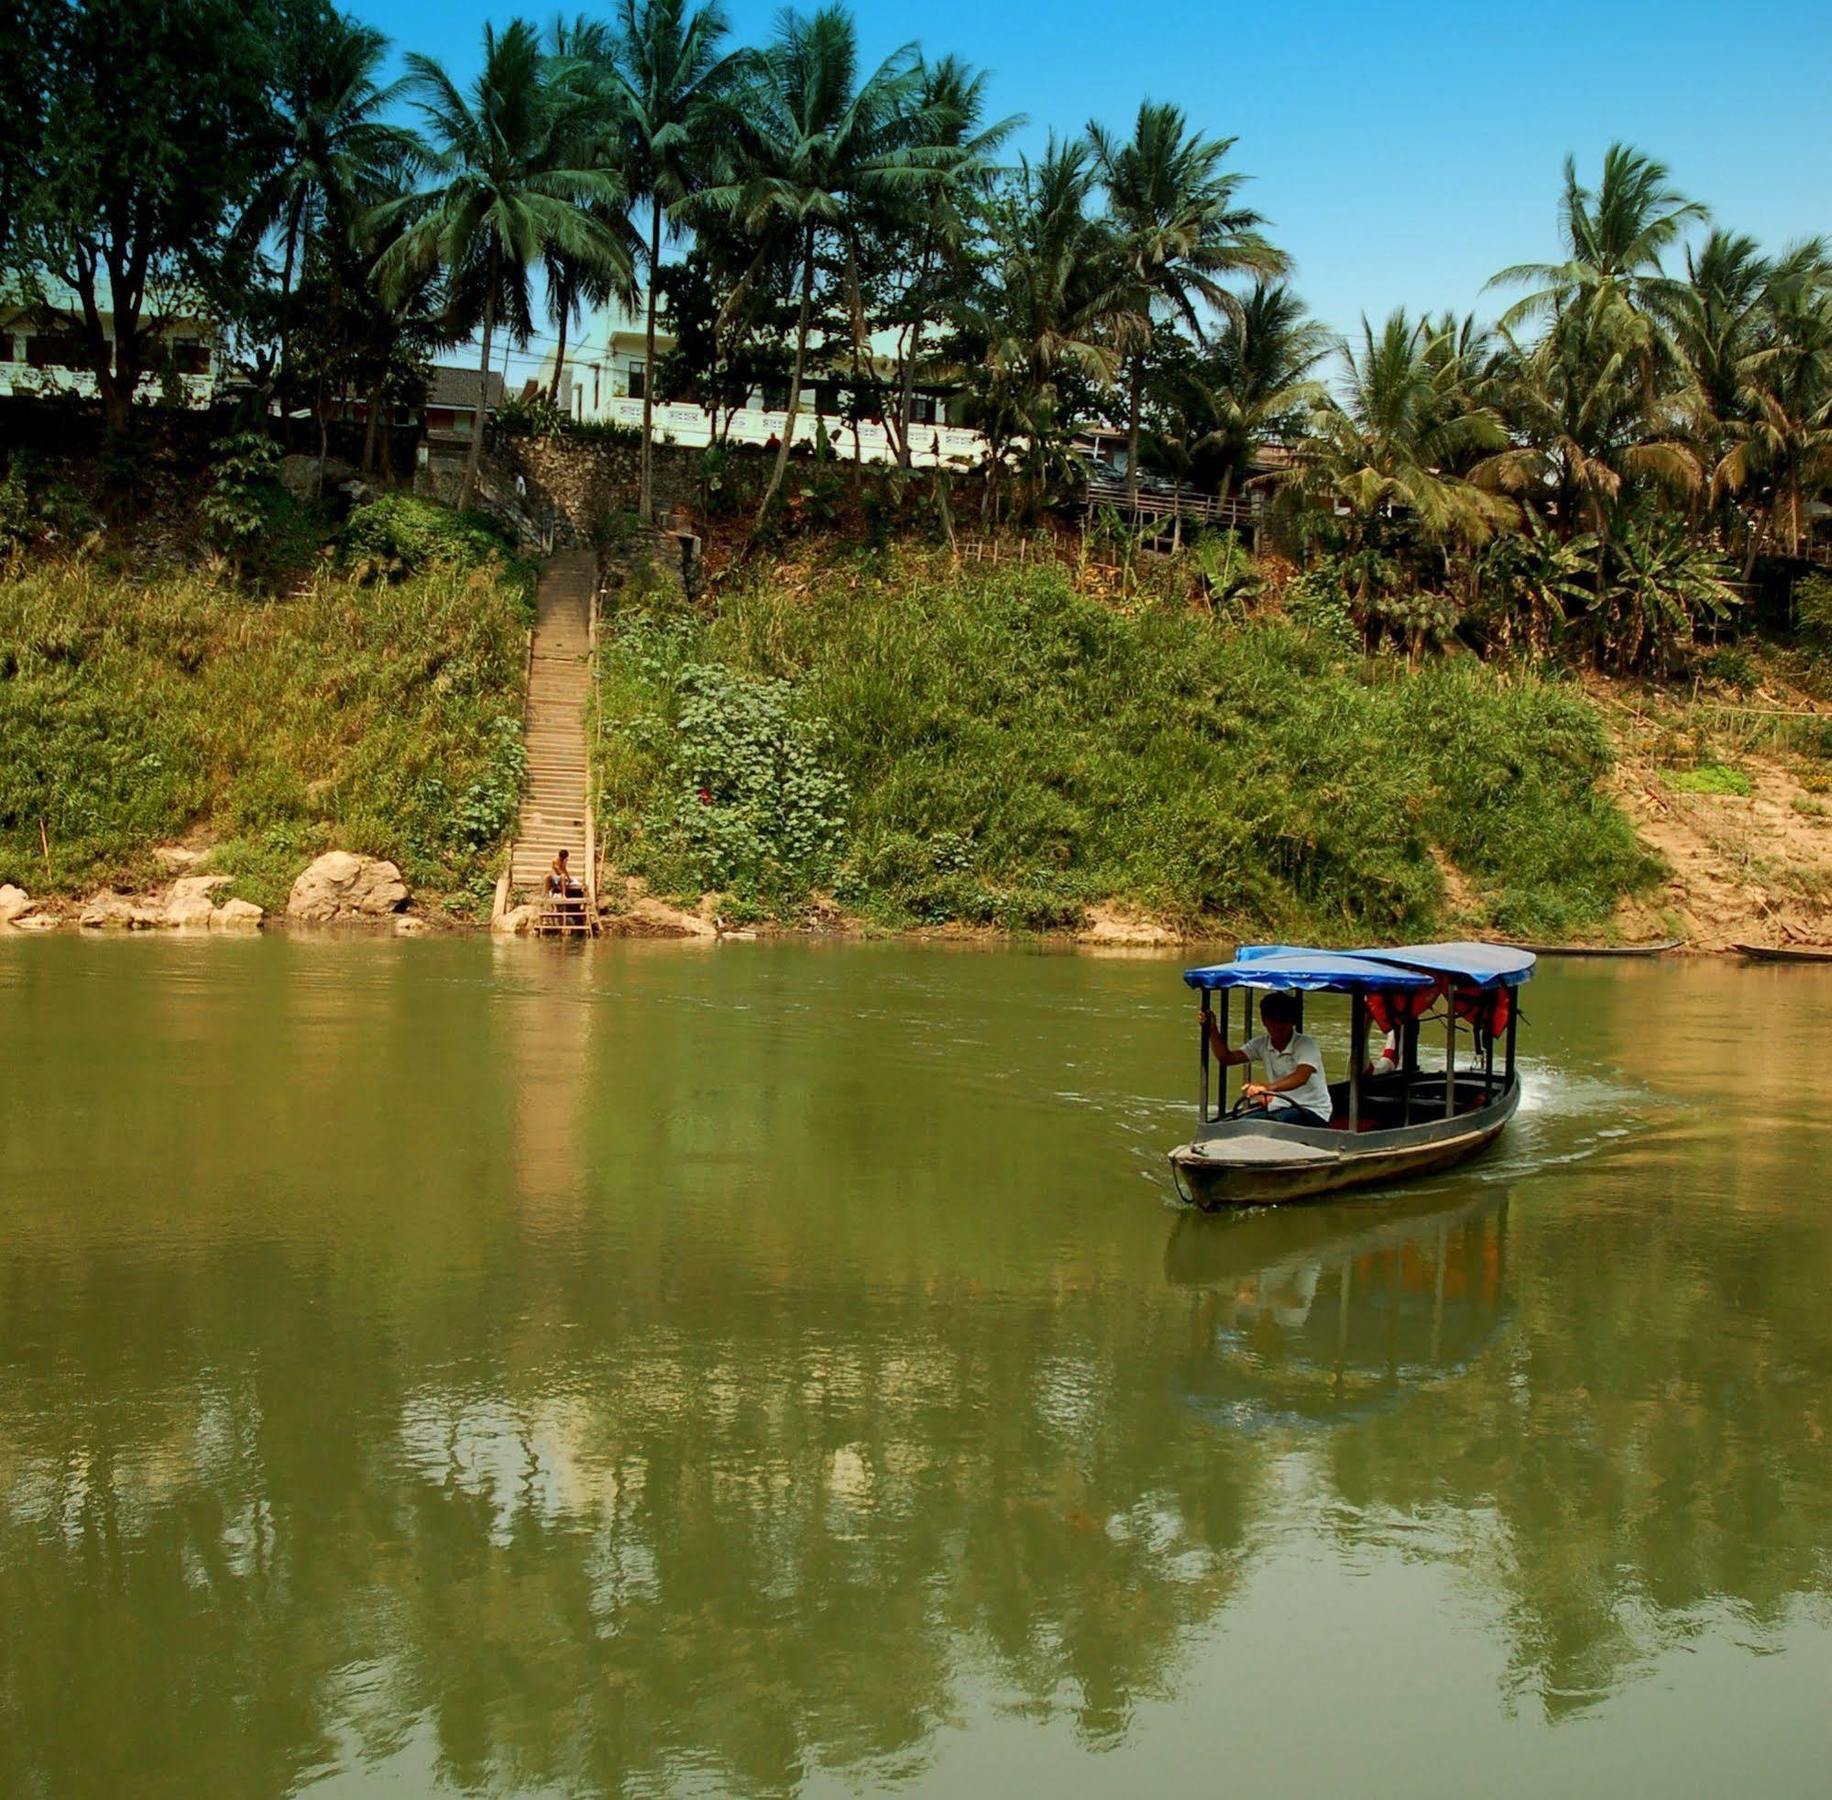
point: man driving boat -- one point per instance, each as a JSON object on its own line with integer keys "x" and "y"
{"x": 1294, "y": 1091}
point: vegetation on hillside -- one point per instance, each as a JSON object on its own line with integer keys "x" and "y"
{"x": 928, "y": 744}
{"x": 374, "y": 715}
{"x": 1598, "y": 473}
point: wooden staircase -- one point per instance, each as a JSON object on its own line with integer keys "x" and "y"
{"x": 556, "y": 804}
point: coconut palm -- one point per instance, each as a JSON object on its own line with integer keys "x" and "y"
{"x": 579, "y": 56}
{"x": 1614, "y": 239}
{"x": 1179, "y": 232}
{"x": 1257, "y": 382}
{"x": 1041, "y": 311}
{"x": 335, "y": 149}
{"x": 811, "y": 142}
{"x": 513, "y": 184}
{"x": 929, "y": 232}
{"x": 665, "y": 74}
{"x": 1387, "y": 446}
{"x": 1786, "y": 385}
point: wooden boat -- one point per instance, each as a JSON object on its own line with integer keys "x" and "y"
{"x": 1664, "y": 947}
{"x": 1382, "y": 1129}
{"x": 1785, "y": 953}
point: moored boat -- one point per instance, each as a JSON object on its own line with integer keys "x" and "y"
{"x": 1407, "y": 1120}
{"x": 1788, "y": 953}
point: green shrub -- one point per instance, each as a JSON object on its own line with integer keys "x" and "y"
{"x": 402, "y": 534}
{"x": 747, "y": 803}
{"x": 1711, "y": 778}
{"x": 1813, "y": 613}
{"x": 245, "y": 492}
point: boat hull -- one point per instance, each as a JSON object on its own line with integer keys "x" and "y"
{"x": 1253, "y": 1162}
{"x": 1781, "y": 953}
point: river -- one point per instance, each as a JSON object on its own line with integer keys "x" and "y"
{"x": 775, "y": 1369}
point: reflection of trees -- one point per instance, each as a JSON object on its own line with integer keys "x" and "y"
{"x": 1647, "y": 1446}
{"x": 744, "y": 1550}
{"x": 656, "y": 1464}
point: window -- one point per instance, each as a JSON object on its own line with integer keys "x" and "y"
{"x": 924, "y": 409}
{"x": 594, "y": 388}
{"x": 189, "y": 357}
{"x": 52, "y": 350}
{"x": 638, "y": 378}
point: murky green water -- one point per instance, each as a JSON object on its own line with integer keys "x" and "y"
{"x": 540, "y": 1370}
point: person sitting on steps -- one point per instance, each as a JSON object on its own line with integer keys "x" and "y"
{"x": 1294, "y": 1091}
{"x": 560, "y": 883}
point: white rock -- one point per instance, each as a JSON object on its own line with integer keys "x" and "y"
{"x": 341, "y": 886}
{"x": 189, "y": 905}
{"x": 175, "y": 857}
{"x": 517, "y": 919}
{"x": 35, "y": 922}
{"x": 237, "y": 915}
{"x": 108, "y": 909}
{"x": 407, "y": 926}
{"x": 14, "y": 902}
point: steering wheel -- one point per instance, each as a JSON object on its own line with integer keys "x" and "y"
{"x": 1247, "y": 1103}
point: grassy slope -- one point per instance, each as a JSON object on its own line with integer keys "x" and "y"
{"x": 368, "y": 718}
{"x": 1014, "y": 751}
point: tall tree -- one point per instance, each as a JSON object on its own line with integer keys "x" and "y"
{"x": 1385, "y": 448}
{"x": 334, "y": 145}
{"x": 1179, "y": 230}
{"x": 666, "y": 73}
{"x": 1036, "y": 323}
{"x": 502, "y": 198}
{"x": 147, "y": 153}
{"x": 580, "y": 58}
{"x": 810, "y": 140}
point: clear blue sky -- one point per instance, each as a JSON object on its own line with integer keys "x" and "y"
{"x": 1402, "y": 154}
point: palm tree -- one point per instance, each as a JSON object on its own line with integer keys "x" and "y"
{"x": 577, "y": 53}
{"x": 929, "y": 233}
{"x": 811, "y": 142}
{"x": 510, "y": 191}
{"x": 336, "y": 146}
{"x": 1179, "y": 230}
{"x": 665, "y": 73}
{"x": 1040, "y": 314}
{"x": 1387, "y": 446}
{"x": 1614, "y": 239}
{"x": 1257, "y": 381}
{"x": 1786, "y": 385}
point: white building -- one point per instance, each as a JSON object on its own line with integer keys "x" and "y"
{"x": 36, "y": 359}
{"x": 607, "y": 370}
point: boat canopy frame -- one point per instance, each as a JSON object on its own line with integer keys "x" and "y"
{"x": 1406, "y": 968}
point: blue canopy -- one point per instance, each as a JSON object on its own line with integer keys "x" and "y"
{"x": 1470, "y": 965}
{"x": 1284, "y": 969}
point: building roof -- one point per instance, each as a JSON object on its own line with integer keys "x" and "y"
{"x": 456, "y": 387}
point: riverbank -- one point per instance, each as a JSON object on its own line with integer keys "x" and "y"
{"x": 873, "y": 743}
{"x": 912, "y": 743}
{"x": 153, "y": 722}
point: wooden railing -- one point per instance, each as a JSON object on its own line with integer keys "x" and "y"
{"x": 1151, "y": 505}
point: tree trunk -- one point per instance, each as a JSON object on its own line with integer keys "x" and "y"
{"x": 473, "y": 463}
{"x": 795, "y": 380}
{"x": 645, "y": 483}
{"x": 559, "y": 355}
{"x": 372, "y": 428}
{"x": 1132, "y": 436}
{"x": 286, "y": 295}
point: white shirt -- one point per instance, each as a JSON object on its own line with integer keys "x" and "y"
{"x": 1301, "y": 1048}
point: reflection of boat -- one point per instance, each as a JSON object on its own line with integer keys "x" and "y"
{"x": 1331, "y": 1311}
{"x": 1382, "y": 1128}
{"x": 1794, "y": 953}
{"x": 1660, "y": 949}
